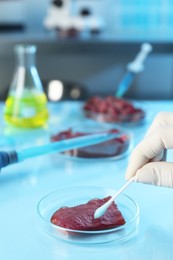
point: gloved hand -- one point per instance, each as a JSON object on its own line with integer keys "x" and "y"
{"x": 147, "y": 161}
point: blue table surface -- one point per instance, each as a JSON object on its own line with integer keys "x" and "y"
{"x": 25, "y": 183}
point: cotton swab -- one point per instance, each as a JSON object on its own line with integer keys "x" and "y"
{"x": 101, "y": 210}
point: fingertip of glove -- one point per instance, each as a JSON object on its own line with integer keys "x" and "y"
{"x": 128, "y": 177}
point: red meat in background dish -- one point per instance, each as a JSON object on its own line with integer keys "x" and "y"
{"x": 106, "y": 149}
{"x": 81, "y": 217}
{"x": 112, "y": 109}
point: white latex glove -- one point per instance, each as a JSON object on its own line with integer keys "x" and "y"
{"x": 147, "y": 160}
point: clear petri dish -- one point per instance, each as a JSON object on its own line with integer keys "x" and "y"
{"x": 114, "y": 110}
{"x": 72, "y": 196}
{"x": 121, "y": 119}
{"x": 112, "y": 150}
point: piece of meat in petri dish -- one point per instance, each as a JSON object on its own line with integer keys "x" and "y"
{"x": 81, "y": 217}
{"x": 111, "y": 148}
{"x": 112, "y": 110}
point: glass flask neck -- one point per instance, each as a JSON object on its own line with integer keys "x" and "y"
{"x": 25, "y": 55}
{"x": 26, "y": 77}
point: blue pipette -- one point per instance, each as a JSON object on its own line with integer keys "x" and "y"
{"x": 133, "y": 68}
{"x": 10, "y": 157}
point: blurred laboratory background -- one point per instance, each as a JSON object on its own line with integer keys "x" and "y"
{"x": 84, "y": 46}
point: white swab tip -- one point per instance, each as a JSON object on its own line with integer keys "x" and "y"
{"x": 99, "y": 212}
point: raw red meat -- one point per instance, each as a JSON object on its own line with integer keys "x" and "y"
{"x": 81, "y": 217}
{"x": 112, "y": 109}
{"x": 106, "y": 149}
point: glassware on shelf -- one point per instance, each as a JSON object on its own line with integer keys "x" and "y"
{"x": 26, "y": 103}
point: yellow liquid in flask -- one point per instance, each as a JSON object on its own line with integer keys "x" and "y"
{"x": 28, "y": 111}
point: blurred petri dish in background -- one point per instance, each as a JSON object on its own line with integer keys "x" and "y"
{"x": 114, "y": 149}
{"x": 113, "y": 110}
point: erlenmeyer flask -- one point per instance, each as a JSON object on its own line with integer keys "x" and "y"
{"x": 26, "y": 104}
